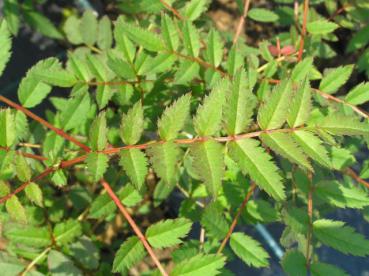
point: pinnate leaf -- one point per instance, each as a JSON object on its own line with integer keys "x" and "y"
{"x": 300, "y": 106}
{"x": 97, "y": 163}
{"x": 129, "y": 253}
{"x": 321, "y": 27}
{"x": 134, "y": 162}
{"x": 132, "y": 125}
{"x": 199, "y": 265}
{"x": 98, "y": 132}
{"x": 335, "y": 78}
{"x": 338, "y": 124}
{"x": 249, "y": 250}
{"x": 6, "y": 44}
{"x": 174, "y": 118}
{"x": 211, "y": 108}
{"x": 253, "y": 160}
{"x": 208, "y": 163}
{"x": 16, "y": 209}
{"x": 164, "y": 158}
{"x": 340, "y": 237}
{"x": 142, "y": 37}
{"x": 168, "y": 232}
{"x": 7, "y": 126}
{"x": 275, "y": 110}
{"x": 312, "y": 147}
{"x": 240, "y": 104}
{"x": 30, "y": 236}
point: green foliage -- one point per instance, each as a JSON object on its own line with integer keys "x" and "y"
{"x": 343, "y": 238}
{"x": 199, "y": 265}
{"x": 168, "y": 233}
{"x": 129, "y": 253}
{"x": 249, "y": 250}
{"x": 253, "y": 160}
{"x": 7, "y": 135}
{"x": 134, "y": 162}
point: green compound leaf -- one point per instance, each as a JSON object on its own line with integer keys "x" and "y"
{"x": 199, "y": 265}
{"x": 169, "y": 32}
{"x": 302, "y": 69}
{"x": 359, "y": 94}
{"x": 195, "y": 8}
{"x": 34, "y": 194}
{"x": 340, "y": 237}
{"x": 142, "y": 37}
{"x": 16, "y": 210}
{"x": 164, "y": 158}
{"x": 249, "y": 250}
{"x": 338, "y": 124}
{"x": 284, "y": 145}
{"x": 30, "y": 236}
{"x": 174, "y": 118}
{"x": 66, "y": 232}
{"x": 76, "y": 111}
{"x": 132, "y": 125}
{"x": 7, "y": 126}
{"x": 240, "y": 104}
{"x": 104, "y": 33}
{"x": 191, "y": 39}
{"x": 168, "y": 232}
{"x": 214, "y": 50}
{"x": 214, "y": 222}
{"x": 253, "y": 160}
{"x": 97, "y": 163}
{"x": 129, "y": 254}
{"x": 312, "y": 147}
{"x": 98, "y": 132}
{"x": 335, "y": 78}
{"x": 88, "y": 27}
{"x": 208, "y": 163}
{"x": 6, "y": 44}
{"x": 321, "y": 27}
{"x": 294, "y": 263}
{"x": 211, "y": 108}
{"x": 262, "y": 15}
{"x": 274, "y": 112}
{"x": 134, "y": 162}
{"x": 300, "y": 106}
{"x": 338, "y": 195}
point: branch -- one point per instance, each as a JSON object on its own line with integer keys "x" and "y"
{"x": 303, "y": 32}
{"x": 134, "y": 226}
{"x": 235, "y": 220}
{"x": 46, "y": 172}
{"x": 350, "y": 172}
{"x": 27, "y": 155}
{"x": 246, "y": 5}
{"x": 45, "y": 123}
{"x": 173, "y": 10}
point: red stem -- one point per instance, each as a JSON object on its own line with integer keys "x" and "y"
{"x": 45, "y": 123}
{"x": 303, "y": 32}
{"x": 173, "y": 10}
{"x": 25, "y": 154}
{"x": 134, "y": 226}
{"x": 246, "y": 5}
{"x": 235, "y": 220}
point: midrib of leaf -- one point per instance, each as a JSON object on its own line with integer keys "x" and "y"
{"x": 250, "y": 252}
{"x": 277, "y": 108}
{"x": 75, "y": 225}
{"x": 350, "y": 245}
{"x": 209, "y": 166}
{"x": 135, "y": 166}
